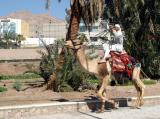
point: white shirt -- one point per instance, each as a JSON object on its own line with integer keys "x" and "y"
{"x": 117, "y": 44}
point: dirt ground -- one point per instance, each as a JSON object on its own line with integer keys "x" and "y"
{"x": 34, "y": 92}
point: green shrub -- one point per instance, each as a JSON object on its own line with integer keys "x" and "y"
{"x": 65, "y": 87}
{"x": 20, "y": 76}
{"x": 48, "y": 58}
{"x": 17, "y": 86}
{"x": 2, "y": 89}
{"x": 149, "y": 82}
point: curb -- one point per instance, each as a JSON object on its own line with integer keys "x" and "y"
{"x": 17, "y": 112}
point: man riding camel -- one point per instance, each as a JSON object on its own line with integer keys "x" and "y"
{"x": 116, "y": 44}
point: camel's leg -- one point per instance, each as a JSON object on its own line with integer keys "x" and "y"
{"x": 105, "y": 82}
{"x": 139, "y": 86}
{"x": 102, "y": 93}
{"x": 102, "y": 90}
{"x": 102, "y": 101}
{"x": 141, "y": 97}
{"x": 137, "y": 100}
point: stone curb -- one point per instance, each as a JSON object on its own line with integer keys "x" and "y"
{"x": 17, "y": 112}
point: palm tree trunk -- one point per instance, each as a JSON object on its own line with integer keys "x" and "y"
{"x": 71, "y": 35}
{"x": 74, "y": 21}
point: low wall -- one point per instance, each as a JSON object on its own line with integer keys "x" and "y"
{"x": 18, "y": 61}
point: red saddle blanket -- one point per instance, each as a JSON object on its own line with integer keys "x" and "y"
{"x": 122, "y": 62}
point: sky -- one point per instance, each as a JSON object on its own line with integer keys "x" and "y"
{"x": 34, "y": 6}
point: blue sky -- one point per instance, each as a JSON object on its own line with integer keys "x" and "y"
{"x": 34, "y": 6}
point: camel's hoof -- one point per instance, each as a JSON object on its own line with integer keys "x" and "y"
{"x": 116, "y": 107}
{"x": 100, "y": 111}
{"x": 138, "y": 107}
{"x": 142, "y": 103}
{"x": 135, "y": 107}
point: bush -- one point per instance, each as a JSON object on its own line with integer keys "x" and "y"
{"x": 17, "y": 86}
{"x": 47, "y": 64}
{"x": 2, "y": 89}
{"x": 69, "y": 75}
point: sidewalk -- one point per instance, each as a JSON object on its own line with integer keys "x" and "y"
{"x": 73, "y": 109}
{"x": 147, "y": 112}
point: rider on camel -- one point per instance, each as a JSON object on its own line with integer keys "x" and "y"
{"x": 116, "y": 44}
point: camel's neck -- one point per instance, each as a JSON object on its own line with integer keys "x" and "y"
{"x": 89, "y": 65}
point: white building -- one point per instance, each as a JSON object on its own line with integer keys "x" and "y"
{"x": 98, "y": 30}
{"x": 50, "y": 32}
{"x": 10, "y": 25}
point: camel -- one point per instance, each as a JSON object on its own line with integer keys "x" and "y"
{"x": 103, "y": 72}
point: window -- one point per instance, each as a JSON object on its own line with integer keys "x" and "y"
{"x": 94, "y": 28}
{"x": 5, "y": 27}
{"x": 13, "y": 27}
{"x": 93, "y": 39}
{"x": 82, "y": 28}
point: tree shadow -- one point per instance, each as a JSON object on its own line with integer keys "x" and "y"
{"x": 60, "y": 100}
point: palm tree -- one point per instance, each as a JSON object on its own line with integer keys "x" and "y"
{"x": 88, "y": 11}
{"x": 9, "y": 37}
{"x": 19, "y": 38}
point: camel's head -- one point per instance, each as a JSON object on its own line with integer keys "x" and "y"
{"x": 76, "y": 44}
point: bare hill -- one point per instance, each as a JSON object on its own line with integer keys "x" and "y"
{"x": 33, "y": 18}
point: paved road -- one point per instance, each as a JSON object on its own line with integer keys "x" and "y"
{"x": 148, "y": 112}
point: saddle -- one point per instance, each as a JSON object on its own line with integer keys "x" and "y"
{"x": 122, "y": 62}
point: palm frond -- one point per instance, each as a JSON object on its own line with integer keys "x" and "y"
{"x": 91, "y": 10}
{"x": 48, "y": 3}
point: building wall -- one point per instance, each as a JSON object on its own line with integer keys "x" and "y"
{"x": 36, "y": 42}
{"x": 55, "y": 30}
{"x": 48, "y": 30}
{"x": 24, "y": 29}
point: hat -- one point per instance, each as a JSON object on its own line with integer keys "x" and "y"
{"x": 117, "y": 25}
